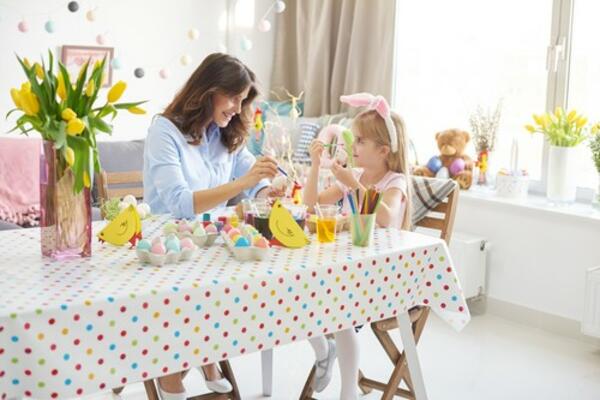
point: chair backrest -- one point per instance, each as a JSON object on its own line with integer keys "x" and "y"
{"x": 119, "y": 184}
{"x": 441, "y": 217}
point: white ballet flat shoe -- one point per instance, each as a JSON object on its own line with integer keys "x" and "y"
{"x": 170, "y": 396}
{"x": 221, "y": 385}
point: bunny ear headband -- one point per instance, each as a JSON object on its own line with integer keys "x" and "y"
{"x": 379, "y": 104}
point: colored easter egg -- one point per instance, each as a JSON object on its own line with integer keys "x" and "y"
{"x": 227, "y": 228}
{"x": 158, "y": 248}
{"x": 242, "y": 242}
{"x": 211, "y": 229}
{"x": 144, "y": 244}
{"x": 457, "y": 166}
{"x": 261, "y": 242}
{"x": 199, "y": 231}
{"x": 187, "y": 243}
{"x": 434, "y": 164}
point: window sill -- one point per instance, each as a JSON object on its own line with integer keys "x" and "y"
{"x": 533, "y": 202}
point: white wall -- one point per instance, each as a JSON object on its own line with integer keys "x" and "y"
{"x": 151, "y": 34}
{"x": 538, "y": 258}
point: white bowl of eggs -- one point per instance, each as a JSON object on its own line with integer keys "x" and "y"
{"x": 165, "y": 250}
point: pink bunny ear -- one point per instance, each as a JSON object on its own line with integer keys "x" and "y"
{"x": 358, "y": 99}
{"x": 382, "y": 107}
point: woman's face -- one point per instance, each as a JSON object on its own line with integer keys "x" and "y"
{"x": 226, "y": 107}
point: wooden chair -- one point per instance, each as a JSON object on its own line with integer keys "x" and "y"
{"x": 152, "y": 392}
{"x": 440, "y": 218}
{"x": 119, "y": 184}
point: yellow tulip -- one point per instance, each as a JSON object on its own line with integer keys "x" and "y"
{"x": 558, "y": 112}
{"x": 97, "y": 64}
{"x": 114, "y": 94}
{"x": 61, "y": 89}
{"x": 537, "y": 119}
{"x": 530, "y": 128}
{"x": 86, "y": 179}
{"x": 572, "y": 116}
{"x": 546, "y": 120}
{"x": 26, "y": 87}
{"x": 70, "y": 156}
{"x": 39, "y": 71}
{"x": 581, "y": 121}
{"x": 75, "y": 127}
{"x": 89, "y": 90}
{"x": 26, "y": 62}
{"x": 14, "y": 93}
{"x": 68, "y": 114}
{"x": 136, "y": 110}
{"x": 29, "y": 103}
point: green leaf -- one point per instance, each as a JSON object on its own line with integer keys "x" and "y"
{"x": 102, "y": 126}
{"x": 10, "y": 112}
{"x": 125, "y": 106}
{"x": 79, "y": 102}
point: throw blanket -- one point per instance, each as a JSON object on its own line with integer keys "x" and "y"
{"x": 19, "y": 181}
{"x": 428, "y": 193}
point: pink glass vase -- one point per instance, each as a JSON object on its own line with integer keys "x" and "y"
{"x": 66, "y": 217}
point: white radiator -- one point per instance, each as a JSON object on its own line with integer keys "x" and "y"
{"x": 469, "y": 255}
{"x": 591, "y": 309}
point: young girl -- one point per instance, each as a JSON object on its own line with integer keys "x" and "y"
{"x": 380, "y": 158}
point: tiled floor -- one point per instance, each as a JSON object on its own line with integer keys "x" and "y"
{"x": 491, "y": 359}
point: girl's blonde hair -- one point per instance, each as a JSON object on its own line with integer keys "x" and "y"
{"x": 372, "y": 126}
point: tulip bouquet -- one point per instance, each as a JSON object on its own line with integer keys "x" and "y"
{"x": 66, "y": 114}
{"x": 562, "y": 129}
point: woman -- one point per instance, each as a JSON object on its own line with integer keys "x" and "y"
{"x": 195, "y": 160}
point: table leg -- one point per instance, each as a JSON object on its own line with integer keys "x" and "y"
{"x": 267, "y": 372}
{"x": 412, "y": 358}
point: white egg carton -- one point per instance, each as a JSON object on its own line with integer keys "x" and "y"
{"x": 172, "y": 257}
{"x": 199, "y": 240}
{"x": 245, "y": 253}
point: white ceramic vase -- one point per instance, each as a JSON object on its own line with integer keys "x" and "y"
{"x": 561, "y": 183}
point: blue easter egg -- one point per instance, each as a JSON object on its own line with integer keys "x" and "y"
{"x": 144, "y": 244}
{"x": 242, "y": 242}
{"x": 172, "y": 243}
{"x": 434, "y": 164}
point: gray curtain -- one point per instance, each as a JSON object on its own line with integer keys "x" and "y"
{"x": 328, "y": 48}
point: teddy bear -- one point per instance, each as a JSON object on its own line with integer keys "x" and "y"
{"x": 451, "y": 163}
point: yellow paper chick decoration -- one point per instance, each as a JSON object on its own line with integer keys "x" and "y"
{"x": 285, "y": 229}
{"x": 126, "y": 227}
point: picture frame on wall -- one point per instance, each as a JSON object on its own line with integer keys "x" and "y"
{"x": 73, "y": 57}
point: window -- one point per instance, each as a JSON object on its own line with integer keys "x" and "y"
{"x": 584, "y": 78}
{"x": 453, "y": 56}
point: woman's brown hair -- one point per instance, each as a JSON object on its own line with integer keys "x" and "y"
{"x": 192, "y": 108}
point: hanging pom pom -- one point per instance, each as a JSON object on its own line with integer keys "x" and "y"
{"x": 101, "y": 39}
{"x": 139, "y": 72}
{"x": 23, "y": 26}
{"x": 246, "y": 44}
{"x": 91, "y": 15}
{"x": 116, "y": 63}
{"x": 49, "y": 26}
{"x": 73, "y": 6}
{"x": 264, "y": 26}
{"x": 279, "y": 6}
{"x": 185, "y": 59}
{"x": 193, "y": 34}
{"x": 163, "y": 73}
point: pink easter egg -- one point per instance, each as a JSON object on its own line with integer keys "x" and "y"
{"x": 457, "y": 166}
{"x": 187, "y": 243}
{"x": 211, "y": 229}
{"x": 234, "y": 231}
{"x": 158, "y": 248}
{"x": 261, "y": 242}
{"x": 227, "y": 228}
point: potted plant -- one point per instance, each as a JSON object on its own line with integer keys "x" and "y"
{"x": 563, "y": 131}
{"x": 595, "y": 148}
{"x": 68, "y": 118}
{"x": 484, "y": 125}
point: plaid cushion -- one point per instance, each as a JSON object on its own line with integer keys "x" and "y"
{"x": 427, "y": 194}
{"x": 308, "y": 131}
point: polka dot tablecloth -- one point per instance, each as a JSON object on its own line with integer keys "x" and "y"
{"x": 74, "y": 328}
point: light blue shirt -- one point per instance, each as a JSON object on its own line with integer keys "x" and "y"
{"x": 175, "y": 169}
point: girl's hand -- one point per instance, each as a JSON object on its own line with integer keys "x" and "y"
{"x": 344, "y": 176}
{"x": 316, "y": 151}
{"x": 264, "y": 167}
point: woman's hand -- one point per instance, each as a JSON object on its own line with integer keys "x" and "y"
{"x": 264, "y": 167}
{"x": 344, "y": 176}
{"x": 316, "y": 151}
{"x": 270, "y": 191}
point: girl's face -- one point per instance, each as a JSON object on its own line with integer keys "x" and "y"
{"x": 226, "y": 107}
{"x": 367, "y": 152}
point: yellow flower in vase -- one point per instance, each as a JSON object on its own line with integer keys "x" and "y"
{"x": 75, "y": 126}
{"x": 115, "y": 93}
{"x": 61, "y": 89}
{"x": 14, "y": 93}
{"x": 69, "y": 156}
{"x": 68, "y": 114}
{"x": 90, "y": 88}
{"x": 39, "y": 71}
{"x": 581, "y": 121}
{"x": 136, "y": 110}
